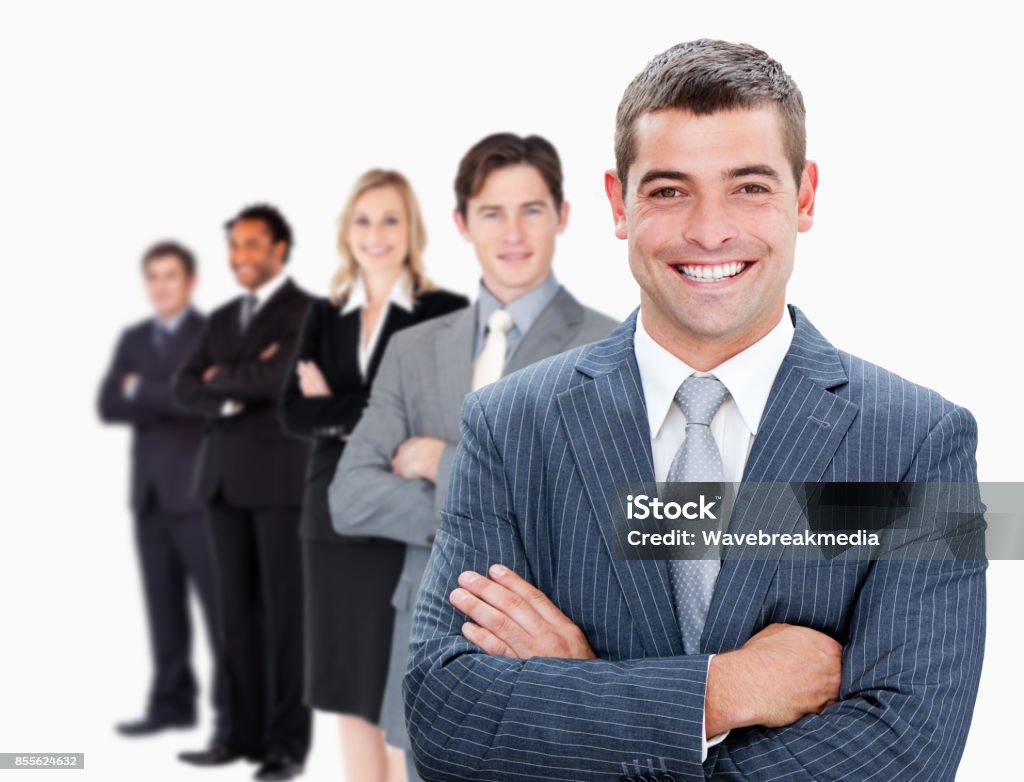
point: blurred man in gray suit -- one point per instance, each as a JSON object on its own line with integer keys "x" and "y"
{"x": 393, "y": 477}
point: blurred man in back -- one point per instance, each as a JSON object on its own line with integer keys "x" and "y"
{"x": 170, "y": 527}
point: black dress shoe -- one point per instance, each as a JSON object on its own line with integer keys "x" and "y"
{"x": 217, "y": 754}
{"x": 277, "y": 768}
{"x": 147, "y": 726}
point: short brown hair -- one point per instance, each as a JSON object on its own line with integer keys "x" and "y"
{"x": 171, "y": 248}
{"x": 507, "y": 149}
{"x": 706, "y": 76}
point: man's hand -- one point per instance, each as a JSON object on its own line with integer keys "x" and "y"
{"x": 418, "y": 457}
{"x": 129, "y": 383}
{"x": 781, "y": 674}
{"x": 512, "y": 618}
{"x": 268, "y": 352}
{"x": 209, "y": 373}
{"x": 311, "y": 379}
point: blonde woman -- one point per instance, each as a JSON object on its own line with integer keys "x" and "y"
{"x": 380, "y": 287}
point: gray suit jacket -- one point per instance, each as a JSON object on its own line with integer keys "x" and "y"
{"x": 424, "y": 376}
{"x": 532, "y": 487}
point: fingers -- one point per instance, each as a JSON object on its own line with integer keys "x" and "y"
{"x": 489, "y": 617}
{"x": 536, "y": 599}
{"x": 486, "y": 640}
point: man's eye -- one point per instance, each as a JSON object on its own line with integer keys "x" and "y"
{"x": 362, "y": 221}
{"x": 489, "y": 215}
{"x": 753, "y": 189}
{"x": 666, "y": 192}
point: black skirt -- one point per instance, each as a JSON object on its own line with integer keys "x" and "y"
{"x": 348, "y": 621}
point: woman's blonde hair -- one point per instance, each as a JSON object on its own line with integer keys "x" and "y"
{"x": 345, "y": 277}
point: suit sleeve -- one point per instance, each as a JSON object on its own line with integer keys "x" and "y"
{"x": 444, "y": 474}
{"x": 189, "y": 389}
{"x": 316, "y": 416}
{"x": 473, "y": 716}
{"x": 366, "y": 497}
{"x": 259, "y": 380}
{"x": 912, "y": 663}
{"x": 114, "y": 407}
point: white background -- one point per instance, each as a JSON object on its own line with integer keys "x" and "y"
{"x": 124, "y": 123}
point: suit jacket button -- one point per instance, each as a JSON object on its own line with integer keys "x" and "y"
{"x": 430, "y": 539}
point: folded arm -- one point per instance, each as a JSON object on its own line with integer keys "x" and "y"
{"x": 366, "y": 496}
{"x": 191, "y": 390}
{"x": 114, "y": 406}
{"x": 259, "y": 380}
{"x": 911, "y": 665}
{"x": 478, "y": 716}
{"x": 331, "y": 415}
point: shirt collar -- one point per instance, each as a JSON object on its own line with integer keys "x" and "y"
{"x": 269, "y": 288}
{"x": 400, "y": 295}
{"x": 170, "y": 325}
{"x": 748, "y": 375}
{"x": 524, "y": 310}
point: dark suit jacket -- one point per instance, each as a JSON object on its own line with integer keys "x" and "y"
{"x": 332, "y": 341}
{"x": 246, "y": 458}
{"x": 165, "y": 437}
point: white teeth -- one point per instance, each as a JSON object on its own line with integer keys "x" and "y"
{"x": 717, "y": 272}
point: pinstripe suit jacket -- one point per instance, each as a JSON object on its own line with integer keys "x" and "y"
{"x": 530, "y": 488}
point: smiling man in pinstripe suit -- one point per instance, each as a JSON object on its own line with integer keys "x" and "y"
{"x": 574, "y": 664}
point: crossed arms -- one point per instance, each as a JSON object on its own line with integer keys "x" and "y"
{"x": 127, "y": 397}
{"x": 205, "y": 386}
{"x": 902, "y": 707}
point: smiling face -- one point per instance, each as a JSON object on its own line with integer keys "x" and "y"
{"x": 378, "y": 233}
{"x": 254, "y": 256}
{"x": 512, "y": 223}
{"x": 711, "y": 214}
{"x": 168, "y": 285}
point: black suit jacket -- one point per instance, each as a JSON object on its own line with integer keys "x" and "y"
{"x": 165, "y": 437}
{"x": 331, "y": 340}
{"x": 246, "y": 458}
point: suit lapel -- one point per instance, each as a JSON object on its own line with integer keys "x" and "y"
{"x": 453, "y": 356}
{"x": 606, "y": 427}
{"x": 551, "y": 333}
{"x": 803, "y": 424}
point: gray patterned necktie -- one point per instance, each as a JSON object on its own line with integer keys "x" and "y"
{"x": 248, "y": 309}
{"x": 697, "y": 460}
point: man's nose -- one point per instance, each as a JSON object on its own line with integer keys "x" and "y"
{"x": 514, "y": 229}
{"x": 709, "y": 224}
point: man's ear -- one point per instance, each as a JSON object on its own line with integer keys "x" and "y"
{"x": 563, "y": 216}
{"x": 613, "y": 189}
{"x": 460, "y": 223}
{"x": 280, "y": 251}
{"x": 805, "y": 196}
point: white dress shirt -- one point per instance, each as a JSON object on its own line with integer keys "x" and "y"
{"x": 262, "y": 294}
{"x": 748, "y": 376}
{"x": 400, "y": 296}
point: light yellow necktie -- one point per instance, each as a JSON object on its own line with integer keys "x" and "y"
{"x": 491, "y": 361}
